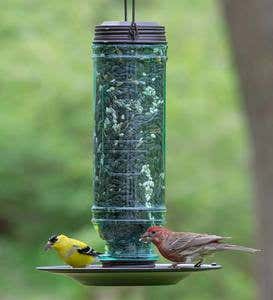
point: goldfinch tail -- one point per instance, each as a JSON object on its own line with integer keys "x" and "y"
{"x": 96, "y": 254}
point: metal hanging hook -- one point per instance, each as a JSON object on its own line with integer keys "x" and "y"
{"x": 133, "y": 31}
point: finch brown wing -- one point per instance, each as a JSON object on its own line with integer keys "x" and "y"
{"x": 180, "y": 241}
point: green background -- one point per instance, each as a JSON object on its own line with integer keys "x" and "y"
{"x": 45, "y": 143}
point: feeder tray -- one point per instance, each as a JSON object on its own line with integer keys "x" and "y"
{"x": 159, "y": 274}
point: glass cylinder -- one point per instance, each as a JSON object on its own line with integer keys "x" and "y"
{"x": 129, "y": 142}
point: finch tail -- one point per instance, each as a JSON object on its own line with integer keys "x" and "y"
{"x": 239, "y": 248}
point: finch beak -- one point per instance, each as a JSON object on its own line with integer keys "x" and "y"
{"x": 48, "y": 246}
{"x": 145, "y": 238}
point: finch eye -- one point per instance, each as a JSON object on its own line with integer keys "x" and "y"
{"x": 153, "y": 232}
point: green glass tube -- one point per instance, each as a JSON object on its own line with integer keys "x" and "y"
{"x": 129, "y": 146}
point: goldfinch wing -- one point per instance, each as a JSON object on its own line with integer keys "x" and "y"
{"x": 83, "y": 248}
{"x": 71, "y": 251}
{"x": 88, "y": 251}
{"x": 78, "y": 243}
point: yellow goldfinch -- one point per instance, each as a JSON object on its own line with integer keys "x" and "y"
{"x": 73, "y": 252}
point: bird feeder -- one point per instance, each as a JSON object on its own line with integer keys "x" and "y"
{"x": 129, "y": 146}
{"x": 129, "y": 182}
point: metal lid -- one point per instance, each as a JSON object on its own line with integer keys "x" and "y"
{"x": 127, "y": 32}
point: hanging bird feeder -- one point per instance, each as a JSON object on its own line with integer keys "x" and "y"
{"x": 129, "y": 145}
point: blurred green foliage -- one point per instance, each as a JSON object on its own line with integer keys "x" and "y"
{"x": 45, "y": 141}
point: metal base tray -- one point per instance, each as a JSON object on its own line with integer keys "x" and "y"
{"x": 159, "y": 274}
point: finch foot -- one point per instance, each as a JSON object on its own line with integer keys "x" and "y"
{"x": 174, "y": 266}
{"x": 198, "y": 264}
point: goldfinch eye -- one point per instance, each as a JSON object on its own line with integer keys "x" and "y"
{"x": 53, "y": 239}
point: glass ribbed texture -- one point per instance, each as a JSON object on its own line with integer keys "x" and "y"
{"x": 129, "y": 146}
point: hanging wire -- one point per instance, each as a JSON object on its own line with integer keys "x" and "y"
{"x": 125, "y": 11}
{"x": 133, "y": 11}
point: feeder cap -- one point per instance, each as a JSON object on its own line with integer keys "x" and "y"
{"x": 130, "y": 33}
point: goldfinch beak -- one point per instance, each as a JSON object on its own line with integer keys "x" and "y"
{"x": 48, "y": 246}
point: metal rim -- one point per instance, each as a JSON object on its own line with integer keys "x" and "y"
{"x": 130, "y": 269}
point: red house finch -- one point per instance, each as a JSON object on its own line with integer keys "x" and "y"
{"x": 187, "y": 247}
